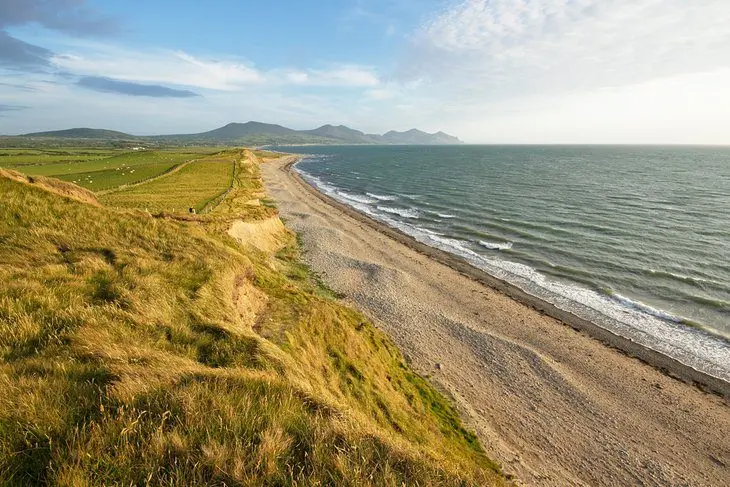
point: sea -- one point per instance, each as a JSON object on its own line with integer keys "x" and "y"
{"x": 634, "y": 239}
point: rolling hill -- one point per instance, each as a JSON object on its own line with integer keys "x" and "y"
{"x": 258, "y": 133}
{"x": 83, "y": 133}
{"x": 417, "y": 137}
{"x": 344, "y": 134}
{"x": 234, "y": 131}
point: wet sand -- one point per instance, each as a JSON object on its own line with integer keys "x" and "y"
{"x": 554, "y": 405}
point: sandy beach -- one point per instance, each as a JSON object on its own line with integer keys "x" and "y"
{"x": 553, "y": 405}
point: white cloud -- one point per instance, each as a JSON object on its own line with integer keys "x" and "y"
{"x": 63, "y": 105}
{"x": 339, "y": 75}
{"x": 224, "y": 73}
{"x": 681, "y": 109}
{"x": 381, "y": 94}
{"x": 348, "y": 76}
{"x": 296, "y": 77}
{"x": 541, "y": 71}
{"x": 157, "y": 66}
{"x": 232, "y": 89}
{"x": 180, "y": 68}
{"x": 523, "y": 71}
{"x": 513, "y": 46}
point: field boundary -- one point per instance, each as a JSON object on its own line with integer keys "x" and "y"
{"x": 166, "y": 173}
{"x": 216, "y": 200}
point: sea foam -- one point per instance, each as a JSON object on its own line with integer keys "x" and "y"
{"x": 382, "y": 197}
{"x": 495, "y": 245}
{"x": 404, "y": 212}
{"x": 356, "y": 197}
{"x": 627, "y": 317}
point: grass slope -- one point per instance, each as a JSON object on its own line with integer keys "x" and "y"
{"x": 151, "y": 351}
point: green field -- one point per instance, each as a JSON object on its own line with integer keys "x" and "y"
{"x": 39, "y": 160}
{"x": 113, "y": 178}
{"x": 172, "y": 180}
{"x": 99, "y": 169}
{"x": 16, "y": 158}
{"x": 79, "y": 152}
{"x": 193, "y": 186}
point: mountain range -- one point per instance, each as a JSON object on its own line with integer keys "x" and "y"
{"x": 257, "y": 133}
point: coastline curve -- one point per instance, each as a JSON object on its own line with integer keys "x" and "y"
{"x": 666, "y": 364}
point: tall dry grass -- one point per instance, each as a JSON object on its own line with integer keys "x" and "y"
{"x": 153, "y": 351}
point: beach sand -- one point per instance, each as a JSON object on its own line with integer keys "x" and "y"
{"x": 553, "y": 405}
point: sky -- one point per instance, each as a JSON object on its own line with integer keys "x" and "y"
{"x": 487, "y": 71}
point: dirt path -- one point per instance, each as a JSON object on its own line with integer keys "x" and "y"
{"x": 554, "y": 406}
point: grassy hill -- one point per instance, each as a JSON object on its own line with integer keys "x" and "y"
{"x": 83, "y": 133}
{"x": 155, "y": 349}
{"x": 344, "y": 134}
{"x": 239, "y": 130}
{"x": 249, "y": 133}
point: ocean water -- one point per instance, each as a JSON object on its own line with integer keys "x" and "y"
{"x": 635, "y": 239}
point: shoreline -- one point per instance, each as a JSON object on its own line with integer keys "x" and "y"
{"x": 664, "y": 363}
{"x": 552, "y": 405}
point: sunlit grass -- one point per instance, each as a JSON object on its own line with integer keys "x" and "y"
{"x": 193, "y": 186}
{"x": 96, "y": 170}
{"x": 149, "y": 351}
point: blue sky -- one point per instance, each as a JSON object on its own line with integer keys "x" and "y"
{"x": 273, "y": 33}
{"x": 492, "y": 71}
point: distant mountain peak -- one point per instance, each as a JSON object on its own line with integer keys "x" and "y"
{"x": 236, "y": 130}
{"x": 341, "y": 133}
{"x": 260, "y": 133}
{"x": 419, "y": 137}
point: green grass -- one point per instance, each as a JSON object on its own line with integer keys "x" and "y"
{"x": 96, "y": 170}
{"x": 193, "y": 186}
{"x": 121, "y": 162}
{"x": 137, "y": 350}
{"x": 113, "y": 178}
{"x": 10, "y": 155}
{"x": 75, "y": 151}
{"x": 43, "y": 159}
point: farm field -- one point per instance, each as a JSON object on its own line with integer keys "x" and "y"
{"x": 34, "y": 154}
{"x": 96, "y": 170}
{"x": 192, "y": 186}
{"x": 42, "y": 159}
